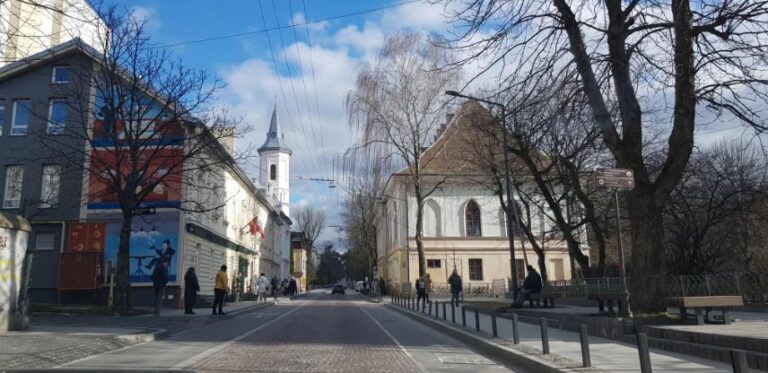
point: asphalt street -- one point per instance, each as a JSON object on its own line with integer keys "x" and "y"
{"x": 318, "y": 333}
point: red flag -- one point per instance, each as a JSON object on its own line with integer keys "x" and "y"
{"x": 255, "y": 227}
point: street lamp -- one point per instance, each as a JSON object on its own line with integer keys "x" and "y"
{"x": 510, "y": 210}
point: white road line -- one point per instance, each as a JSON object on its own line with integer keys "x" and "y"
{"x": 413, "y": 359}
{"x": 194, "y": 359}
{"x": 102, "y": 354}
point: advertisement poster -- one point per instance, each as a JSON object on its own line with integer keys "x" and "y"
{"x": 154, "y": 238}
{"x": 88, "y": 237}
{"x": 164, "y": 165}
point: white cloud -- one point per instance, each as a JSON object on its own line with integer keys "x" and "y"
{"x": 148, "y": 15}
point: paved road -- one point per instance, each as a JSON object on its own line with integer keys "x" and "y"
{"x": 319, "y": 333}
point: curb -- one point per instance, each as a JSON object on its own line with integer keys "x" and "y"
{"x": 146, "y": 335}
{"x": 493, "y": 347}
{"x": 372, "y": 300}
{"x": 249, "y": 308}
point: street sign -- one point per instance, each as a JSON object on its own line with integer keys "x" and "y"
{"x": 615, "y": 178}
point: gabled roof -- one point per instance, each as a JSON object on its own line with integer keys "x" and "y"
{"x": 274, "y": 140}
{"x": 43, "y": 57}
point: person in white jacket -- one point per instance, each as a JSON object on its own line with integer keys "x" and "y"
{"x": 262, "y": 284}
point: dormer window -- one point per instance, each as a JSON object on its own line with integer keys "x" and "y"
{"x": 61, "y": 75}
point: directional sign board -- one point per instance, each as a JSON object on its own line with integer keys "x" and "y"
{"x": 615, "y": 178}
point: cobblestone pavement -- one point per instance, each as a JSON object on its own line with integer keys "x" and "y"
{"x": 338, "y": 334}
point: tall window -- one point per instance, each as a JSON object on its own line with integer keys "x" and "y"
{"x": 273, "y": 172}
{"x": 61, "y": 74}
{"x": 21, "y": 114}
{"x": 14, "y": 176}
{"x": 49, "y": 194}
{"x": 2, "y": 118}
{"x": 472, "y": 219}
{"x": 57, "y": 116}
{"x": 476, "y": 269}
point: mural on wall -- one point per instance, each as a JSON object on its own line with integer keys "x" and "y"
{"x": 154, "y": 239}
{"x": 88, "y": 237}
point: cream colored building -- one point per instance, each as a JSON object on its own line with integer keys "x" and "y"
{"x": 464, "y": 224}
{"x": 28, "y": 27}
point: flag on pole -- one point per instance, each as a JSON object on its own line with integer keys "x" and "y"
{"x": 255, "y": 227}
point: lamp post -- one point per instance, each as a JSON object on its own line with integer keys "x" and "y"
{"x": 510, "y": 210}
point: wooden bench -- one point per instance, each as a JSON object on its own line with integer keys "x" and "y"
{"x": 706, "y": 303}
{"x": 548, "y": 298}
{"x": 621, "y": 300}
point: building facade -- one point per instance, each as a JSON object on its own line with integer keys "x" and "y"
{"x": 464, "y": 226}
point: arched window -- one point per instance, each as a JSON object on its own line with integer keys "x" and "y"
{"x": 472, "y": 219}
{"x": 273, "y": 172}
{"x": 432, "y": 219}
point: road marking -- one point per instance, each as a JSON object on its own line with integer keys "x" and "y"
{"x": 413, "y": 359}
{"x": 105, "y": 353}
{"x": 211, "y": 351}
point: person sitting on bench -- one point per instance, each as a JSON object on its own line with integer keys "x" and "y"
{"x": 531, "y": 285}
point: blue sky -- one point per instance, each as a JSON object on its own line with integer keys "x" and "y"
{"x": 309, "y": 80}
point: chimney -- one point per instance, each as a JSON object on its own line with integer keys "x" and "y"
{"x": 226, "y": 137}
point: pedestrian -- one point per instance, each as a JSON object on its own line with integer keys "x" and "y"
{"x": 421, "y": 292}
{"x": 220, "y": 289}
{"x": 191, "y": 287}
{"x": 263, "y": 285}
{"x": 292, "y": 288}
{"x": 531, "y": 285}
{"x": 284, "y": 286}
{"x": 159, "y": 279}
{"x": 455, "y": 282}
{"x": 274, "y": 286}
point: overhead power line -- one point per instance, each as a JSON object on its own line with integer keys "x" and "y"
{"x": 305, "y": 23}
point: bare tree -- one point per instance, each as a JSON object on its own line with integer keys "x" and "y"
{"x": 715, "y": 209}
{"x": 638, "y": 63}
{"x": 310, "y": 221}
{"x": 147, "y": 131}
{"x": 397, "y": 105}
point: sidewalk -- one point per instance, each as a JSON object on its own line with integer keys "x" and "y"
{"x": 47, "y": 346}
{"x": 607, "y": 355}
{"x": 230, "y": 308}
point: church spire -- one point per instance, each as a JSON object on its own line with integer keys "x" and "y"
{"x": 274, "y": 140}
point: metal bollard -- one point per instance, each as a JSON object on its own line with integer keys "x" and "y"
{"x": 444, "y": 313}
{"x": 645, "y": 356}
{"x": 586, "y": 360}
{"x": 453, "y": 313}
{"x": 477, "y": 319}
{"x": 464, "y": 317}
{"x": 544, "y": 336}
{"x": 739, "y": 361}
{"x": 515, "y": 333}
{"x": 430, "y": 308}
{"x": 493, "y": 323}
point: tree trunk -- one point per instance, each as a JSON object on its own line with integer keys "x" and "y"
{"x": 647, "y": 259}
{"x": 419, "y": 233}
{"x": 123, "y": 284}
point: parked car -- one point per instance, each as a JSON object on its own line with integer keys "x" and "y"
{"x": 339, "y": 288}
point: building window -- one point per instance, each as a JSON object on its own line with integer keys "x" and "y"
{"x": 14, "y": 176}
{"x": 57, "y": 116}
{"x": 2, "y": 118}
{"x": 49, "y": 194}
{"x": 45, "y": 241}
{"x": 476, "y": 269}
{"x": 472, "y": 219}
{"x": 21, "y": 112}
{"x": 273, "y": 172}
{"x": 61, "y": 74}
{"x": 434, "y": 263}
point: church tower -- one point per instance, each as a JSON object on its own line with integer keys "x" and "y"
{"x": 275, "y": 162}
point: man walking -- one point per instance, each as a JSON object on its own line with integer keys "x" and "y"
{"x": 220, "y": 289}
{"x": 421, "y": 292}
{"x": 455, "y": 282}
{"x": 159, "y": 279}
{"x": 292, "y": 287}
{"x": 263, "y": 284}
{"x": 531, "y": 285}
{"x": 275, "y": 283}
{"x": 191, "y": 287}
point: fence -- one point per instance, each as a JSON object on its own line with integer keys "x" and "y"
{"x": 753, "y": 286}
{"x": 443, "y": 289}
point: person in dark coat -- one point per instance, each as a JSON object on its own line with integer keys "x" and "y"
{"x": 191, "y": 287}
{"x": 292, "y": 287}
{"x": 531, "y": 285}
{"x": 159, "y": 280}
{"x": 275, "y": 284}
{"x": 455, "y": 282}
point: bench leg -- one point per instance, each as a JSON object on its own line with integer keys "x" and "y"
{"x": 683, "y": 313}
{"x": 699, "y": 317}
{"x": 552, "y": 302}
{"x": 726, "y": 319}
{"x": 610, "y": 306}
{"x": 601, "y": 305}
